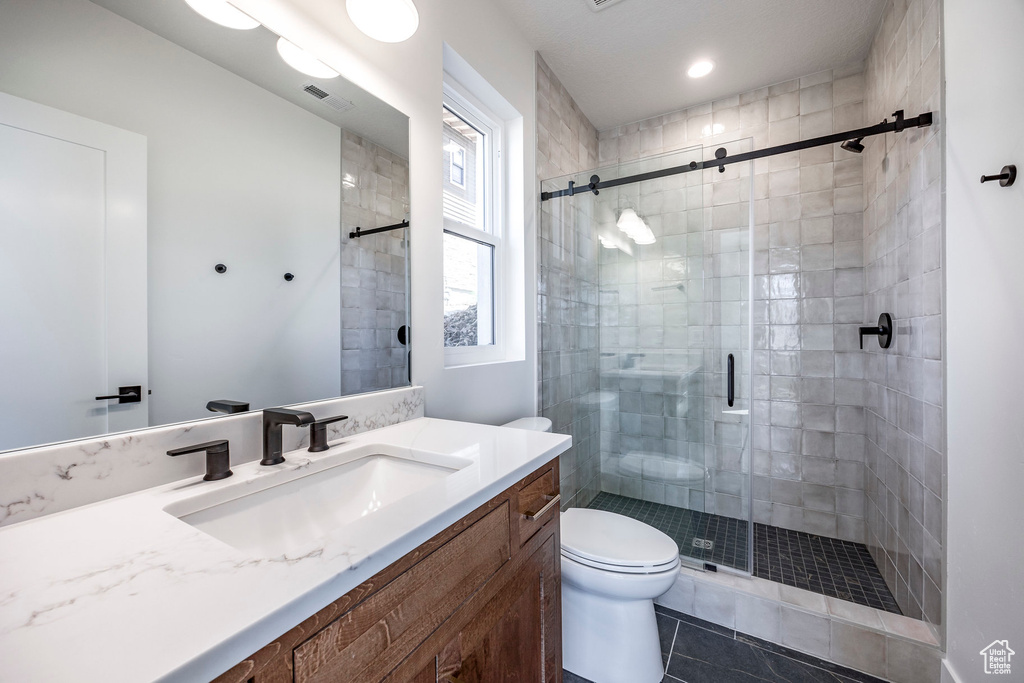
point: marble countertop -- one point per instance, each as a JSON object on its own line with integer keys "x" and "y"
{"x": 121, "y": 590}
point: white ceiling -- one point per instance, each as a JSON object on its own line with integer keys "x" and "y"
{"x": 628, "y": 62}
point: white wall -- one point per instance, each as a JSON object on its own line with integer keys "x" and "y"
{"x": 408, "y": 76}
{"x": 224, "y": 187}
{"x": 985, "y": 333}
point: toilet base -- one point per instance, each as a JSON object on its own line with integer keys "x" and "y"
{"x": 610, "y": 641}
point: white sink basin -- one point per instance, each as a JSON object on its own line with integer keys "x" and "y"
{"x": 308, "y": 506}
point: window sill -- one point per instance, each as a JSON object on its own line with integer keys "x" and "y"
{"x": 469, "y": 360}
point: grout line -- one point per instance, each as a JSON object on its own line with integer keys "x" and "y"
{"x": 672, "y": 646}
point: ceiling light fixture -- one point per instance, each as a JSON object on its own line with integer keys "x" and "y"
{"x": 700, "y": 69}
{"x": 709, "y": 130}
{"x": 389, "y": 21}
{"x": 220, "y": 12}
{"x": 300, "y": 60}
{"x": 635, "y": 227}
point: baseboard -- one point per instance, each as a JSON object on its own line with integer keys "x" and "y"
{"x": 947, "y": 673}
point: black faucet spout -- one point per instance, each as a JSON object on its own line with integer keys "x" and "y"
{"x": 273, "y": 421}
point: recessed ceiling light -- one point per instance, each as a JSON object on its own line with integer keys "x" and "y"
{"x": 220, "y": 12}
{"x": 300, "y": 60}
{"x": 700, "y": 69}
{"x": 389, "y": 21}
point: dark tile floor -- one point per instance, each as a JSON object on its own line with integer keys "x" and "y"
{"x": 828, "y": 566}
{"x": 697, "y": 651}
{"x": 728, "y": 535}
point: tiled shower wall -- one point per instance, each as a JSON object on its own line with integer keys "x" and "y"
{"x": 808, "y": 414}
{"x": 567, "y": 292}
{"x": 903, "y": 276}
{"x": 670, "y": 313}
{"x": 375, "y": 191}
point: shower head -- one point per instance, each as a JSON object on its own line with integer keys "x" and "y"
{"x": 853, "y": 146}
{"x": 681, "y": 287}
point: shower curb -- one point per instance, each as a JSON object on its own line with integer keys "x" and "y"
{"x": 890, "y": 646}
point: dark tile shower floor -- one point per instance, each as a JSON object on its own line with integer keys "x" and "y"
{"x": 828, "y": 566}
{"x": 697, "y": 651}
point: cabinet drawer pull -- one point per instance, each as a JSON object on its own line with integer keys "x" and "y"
{"x": 533, "y": 516}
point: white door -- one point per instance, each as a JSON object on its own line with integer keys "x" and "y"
{"x": 72, "y": 275}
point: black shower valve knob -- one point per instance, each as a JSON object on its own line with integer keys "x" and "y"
{"x": 883, "y": 331}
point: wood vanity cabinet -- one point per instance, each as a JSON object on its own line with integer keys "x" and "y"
{"x": 477, "y": 603}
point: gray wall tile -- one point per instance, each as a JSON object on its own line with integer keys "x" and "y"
{"x": 903, "y": 276}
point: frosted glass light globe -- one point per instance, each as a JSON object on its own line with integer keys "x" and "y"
{"x": 300, "y": 60}
{"x": 389, "y": 21}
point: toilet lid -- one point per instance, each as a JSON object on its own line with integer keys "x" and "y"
{"x": 615, "y": 540}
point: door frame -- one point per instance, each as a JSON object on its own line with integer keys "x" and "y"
{"x": 125, "y": 225}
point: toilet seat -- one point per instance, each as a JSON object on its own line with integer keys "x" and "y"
{"x": 620, "y": 569}
{"x": 615, "y": 543}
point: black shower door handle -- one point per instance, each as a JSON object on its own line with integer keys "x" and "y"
{"x": 732, "y": 380}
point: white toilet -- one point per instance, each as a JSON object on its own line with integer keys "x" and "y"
{"x": 534, "y": 424}
{"x": 612, "y": 569}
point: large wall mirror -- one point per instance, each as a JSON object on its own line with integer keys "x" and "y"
{"x": 176, "y": 204}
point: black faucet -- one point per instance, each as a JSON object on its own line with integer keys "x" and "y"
{"x": 273, "y": 420}
{"x": 218, "y": 458}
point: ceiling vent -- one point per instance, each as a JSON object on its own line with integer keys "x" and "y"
{"x": 333, "y": 101}
{"x": 597, "y": 5}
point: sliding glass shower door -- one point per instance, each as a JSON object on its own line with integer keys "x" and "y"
{"x": 645, "y": 294}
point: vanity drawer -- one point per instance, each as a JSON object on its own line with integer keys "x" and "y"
{"x": 374, "y": 637}
{"x": 537, "y": 503}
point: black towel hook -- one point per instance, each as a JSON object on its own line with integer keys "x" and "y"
{"x": 1005, "y": 177}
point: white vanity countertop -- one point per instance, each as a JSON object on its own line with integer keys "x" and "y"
{"x": 123, "y": 591}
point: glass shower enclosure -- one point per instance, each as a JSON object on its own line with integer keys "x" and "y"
{"x": 645, "y": 321}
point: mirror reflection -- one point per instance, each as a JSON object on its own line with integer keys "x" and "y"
{"x": 177, "y": 203}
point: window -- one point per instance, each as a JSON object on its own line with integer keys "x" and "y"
{"x": 457, "y": 165}
{"x": 468, "y": 291}
{"x": 473, "y": 230}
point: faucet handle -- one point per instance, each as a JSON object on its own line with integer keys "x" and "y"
{"x": 318, "y": 433}
{"x": 218, "y": 458}
{"x": 224, "y": 405}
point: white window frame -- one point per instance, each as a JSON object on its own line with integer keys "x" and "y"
{"x": 452, "y": 165}
{"x": 490, "y": 166}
